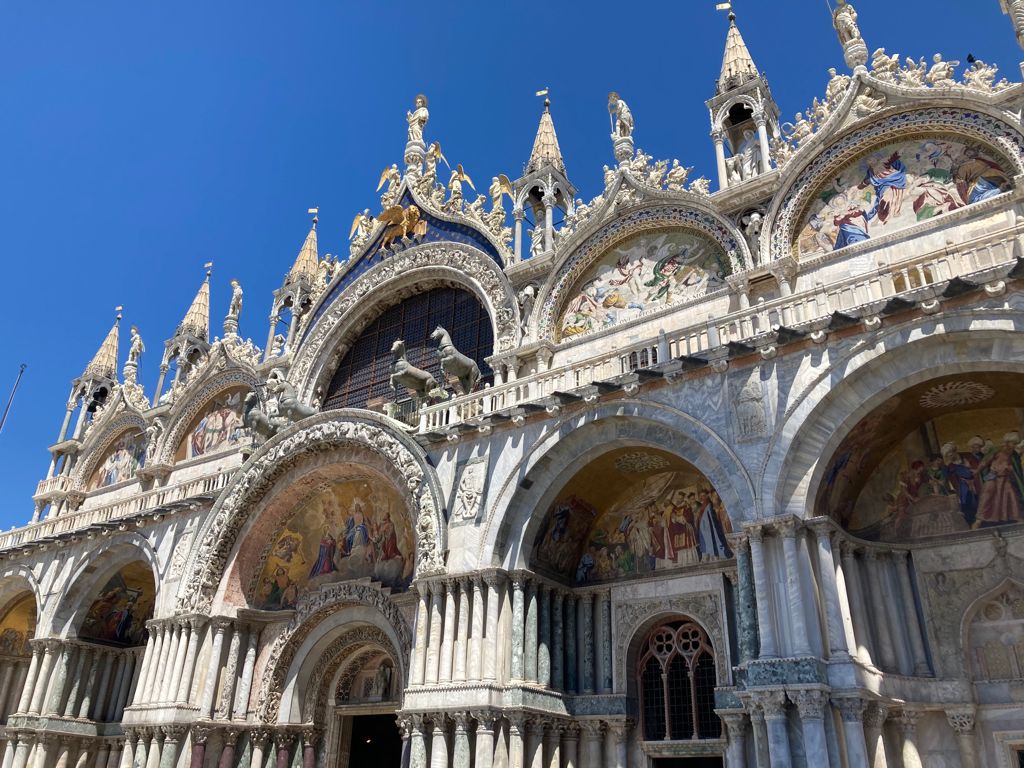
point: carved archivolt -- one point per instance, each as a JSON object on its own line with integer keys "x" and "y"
{"x": 629, "y": 618}
{"x": 311, "y": 610}
{"x": 458, "y": 263}
{"x": 788, "y": 209}
{"x": 363, "y": 640}
{"x": 707, "y": 223}
{"x": 324, "y": 432}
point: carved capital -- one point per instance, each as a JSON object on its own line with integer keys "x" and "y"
{"x": 231, "y": 736}
{"x": 851, "y": 708}
{"x": 591, "y": 729}
{"x": 772, "y": 703}
{"x": 906, "y": 721}
{"x": 311, "y": 735}
{"x": 173, "y": 733}
{"x": 961, "y": 719}
{"x": 284, "y": 738}
{"x": 486, "y": 719}
{"x": 735, "y": 721}
{"x": 810, "y": 703}
{"x": 260, "y": 736}
{"x": 875, "y": 715}
{"x": 461, "y": 720}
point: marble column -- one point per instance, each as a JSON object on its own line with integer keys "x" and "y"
{"x": 21, "y": 678}
{"x": 460, "y": 746}
{"x": 419, "y": 662}
{"x": 147, "y": 662}
{"x": 310, "y": 737}
{"x": 571, "y": 648}
{"x": 719, "y": 140}
{"x": 184, "y": 691}
{"x": 171, "y": 739}
{"x": 557, "y": 641}
{"x": 553, "y": 745}
{"x": 100, "y": 697}
{"x": 448, "y": 640}
{"x": 518, "y": 628}
{"x": 590, "y": 743}
{"x": 149, "y": 689}
{"x": 462, "y": 633}
{"x": 166, "y": 676}
{"x": 227, "y": 748}
{"x": 837, "y": 646}
{"x": 534, "y": 743}
{"x": 102, "y": 755}
{"x": 474, "y": 665}
{"x": 227, "y": 694}
{"x": 887, "y": 651}
{"x": 418, "y": 746}
{"x": 735, "y": 731}
{"x": 492, "y": 647}
{"x": 439, "y": 743}
{"x": 762, "y": 139}
{"x": 516, "y": 740}
{"x": 603, "y": 643}
{"x": 64, "y": 745}
{"x": 156, "y": 747}
{"x": 745, "y": 601}
{"x": 284, "y": 740}
{"x": 544, "y": 638}
{"x": 570, "y": 746}
{"x": 85, "y": 703}
{"x": 901, "y": 562}
{"x": 77, "y": 679}
{"x": 434, "y": 642}
{"x": 58, "y": 680}
{"x": 131, "y": 741}
{"x": 585, "y": 642}
{"x": 184, "y": 640}
{"x": 10, "y": 748}
{"x": 907, "y": 724}
{"x": 206, "y": 710}
{"x": 859, "y": 616}
{"x": 26, "y": 741}
{"x": 530, "y": 634}
{"x": 259, "y": 738}
{"x": 773, "y": 703}
{"x": 119, "y": 665}
{"x": 618, "y": 731}
{"x": 241, "y": 707}
{"x": 875, "y": 716}
{"x": 769, "y": 649}
{"x": 811, "y": 705}
{"x": 794, "y": 591}
{"x": 851, "y": 710}
{"x": 31, "y": 678}
{"x": 961, "y": 720}
{"x": 485, "y": 725}
{"x": 114, "y": 756}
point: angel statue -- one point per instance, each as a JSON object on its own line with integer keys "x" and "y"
{"x": 798, "y": 131}
{"x": 235, "y": 308}
{"x": 455, "y": 185}
{"x": 136, "y": 347}
{"x": 392, "y": 177}
{"x": 677, "y": 175}
{"x": 623, "y": 117}
{"x": 434, "y": 154}
{"x": 941, "y": 74}
{"x": 361, "y": 226}
{"x": 500, "y": 185}
{"x": 836, "y": 87}
{"x": 417, "y": 120}
{"x": 844, "y": 19}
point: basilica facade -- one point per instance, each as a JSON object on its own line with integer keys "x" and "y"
{"x": 692, "y": 473}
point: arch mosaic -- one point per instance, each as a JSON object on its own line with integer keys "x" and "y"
{"x": 105, "y": 444}
{"x": 195, "y": 403}
{"x": 122, "y": 607}
{"x": 287, "y": 450}
{"x": 18, "y": 618}
{"x": 453, "y": 263}
{"x": 351, "y": 646}
{"x": 790, "y": 209}
{"x": 703, "y": 226}
{"x": 313, "y": 609}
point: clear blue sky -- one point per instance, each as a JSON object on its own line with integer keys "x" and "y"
{"x": 140, "y": 140}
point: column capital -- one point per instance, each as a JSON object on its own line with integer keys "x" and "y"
{"x": 260, "y": 736}
{"x": 284, "y": 738}
{"x": 536, "y": 723}
{"x": 486, "y": 719}
{"x": 755, "y": 532}
{"x": 517, "y": 720}
{"x": 848, "y": 549}
{"x": 438, "y": 719}
{"x": 571, "y": 730}
{"x": 311, "y": 735}
{"x": 961, "y": 719}
{"x": 906, "y": 721}
{"x": 231, "y": 736}
{"x": 851, "y": 708}
{"x": 870, "y": 554}
{"x": 875, "y": 715}
{"x": 592, "y": 729}
{"x": 461, "y": 720}
{"x": 418, "y": 720}
{"x": 735, "y": 720}
{"x": 787, "y": 528}
{"x": 173, "y": 733}
{"x": 809, "y": 702}
{"x": 772, "y": 703}
{"x": 619, "y": 728}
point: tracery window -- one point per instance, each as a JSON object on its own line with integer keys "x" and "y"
{"x": 677, "y": 684}
{"x": 363, "y": 376}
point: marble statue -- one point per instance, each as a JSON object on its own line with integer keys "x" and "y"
{"x": 752, "y": 223}
{"x": 500, "y": 185}
{"x": 153, "y": 432}
{"x": 454, "y": 363}
{"x": 277, "y": 345}
{"x": 837, "y": 86}
{"x": 980, "y": 76}
{"x": 362, "y": 224}
{"x": 536, "y": 242}
{"x": 404, "y": 373}
{"x": 884, "y": 67}
{"x": 677, "y": 175}
{"x": 527, "y": 296}
{"x": 942, "y": 74}
{"x": 799, "y": 130}
{"x": 417, "y": 120}
{"x": 135, "y": 348}
{"x": 914, "y": 73}
{"x": 434, "y": 154}
{"x": 392, "y": 177}
{"x": 844, "y": 19}
{"x": 701, "y": 186}
{"x": 455, "y": 186}
{"x": 288, "y": 404}
{"x": 235, "y": 308}
{"x": 623, "y": 118}
{"x": 750, "y": 154}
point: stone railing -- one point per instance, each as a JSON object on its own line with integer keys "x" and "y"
{"x": 920, "y": 279}
{"x": 52, "y": 485}
{"x": 118, "y": 510}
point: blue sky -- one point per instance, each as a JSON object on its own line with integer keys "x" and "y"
{"x": 140, "y": 140}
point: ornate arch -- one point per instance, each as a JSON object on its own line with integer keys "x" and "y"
{"x": 312, "y": 610}
{"x": 409, "y": 271}
{"x": 700, "y": 218}
{"x": 182, "y": 413}
{"x": 1007, "y": 595}
{"x": 576, "y": 441}
{"x": 287, "y": 450}
{"x": 97, "y": 444}
{"x": 17, "y": 579}
{"x": 822, "y": 410}
{"x": 803, "y": 181}
{"x": 347, "y": 650}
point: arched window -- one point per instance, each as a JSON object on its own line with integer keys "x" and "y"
{"x": 677, "y": 684}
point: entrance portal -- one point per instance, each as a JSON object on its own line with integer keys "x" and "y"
{"x": 376, "y": 742}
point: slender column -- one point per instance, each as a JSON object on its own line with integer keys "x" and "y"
{"x": 70, "y": 708}
{"x": 149, "y": 689}
{"x": 102, "y": 755}
{"x": 148, "y": 659}
{"x": 6, "y": 687}
{"x": 10, "y": 748}
{"x": 861, "y": 628}
{"x": 114, "y": 756}
{"x": 419, "y": 666}
{"x": 530, "y": 633}
{"x": 874, "y": 721}
{"x": 85, "y": 705}
{"x": 495, "y": 592}
{"x": 434, "y": 644}
{"x": 448, "y": 643}
{"x": 212, "y": 670}
{"x": 439, "y": 743}
{"x": 769, "y": 649}
{"x": 811, "y": 705}
{"x": 156, "y": 748}
{"x": 907, "y": 724}
{"x": 534, "y": 743}
{"x": 142, "y": 748}
{"x": 227, "y": 750}
{"x": 571, "y": 649}
{"x": 119, "y": 666}
{"x": 897, "y": 624}
{"x": 590, "y": 743}
{"x": 518, "y": 628}
{"x": 833, "y": 611}
{"x": 557, "y": 641}
{"x": 474, "y": 667}
{"x": 517, "y": 215}
{"x": 131, "y": 740}
{"x": 617, "y": 731}
{"x": 762, "y": 139}
{"x": 64, "y": 744}
{"x": 259, "y": 738}
{"x": 462, "y": 631}
{"x": 601, "y": 671}
{"x": 404, "y": 732}
{"x": 553, "y": 745}
{"x": 131, "y": 660}
{"x": 544, "y": 637}
{"x": 31, "y": 678}
{"x": 171, "y": 738}
{"x": 774, "y": 705}
{"x": 887, "y": 650}
{"x": 585, "y": 638}
{"x": 100, "y": 694}
{"x": 284, "y": 741}
{"x": 723, "y": 177}
{"x": 851, "y": 710}
{"x": 961, "y": 720}
{"x": 170, "y": 660}
{"x": 486, "y": 722}
{"x": 58, "y": 680}
{"x": 549, "y": 202}
{"x": 604, "y": 681}
{"x": 310, "y": 737}
{"x": 735, "y": 730}
{"x": 418, "y": 749}
{"x": 902, "y": 565}
{"x": 25, "y": 743}
{"x": 18, "y": 689}
{"x": 746, "y": 604}
{"x": 460, "y": 748}
{"x": 184, "y": 640}
{"x": 188, "y": 671}
{"x": 516, "y": 739}
{"x": 570, "y": 746}
{"x": 245, "y": 686}
{"x": 230, "y": 674}
{"x": 794, "y": 593}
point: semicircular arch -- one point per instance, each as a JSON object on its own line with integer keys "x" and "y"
{"x": 98, "y": 447}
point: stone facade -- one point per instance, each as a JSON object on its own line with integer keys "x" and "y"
{"x": 705, "y": 454}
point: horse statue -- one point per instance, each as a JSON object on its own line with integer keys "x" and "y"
{"x": 408, "y": 375}
{"x": 256, "y": 420}
{"x": 288, "y": 403}
{"x": 454, "y": 363}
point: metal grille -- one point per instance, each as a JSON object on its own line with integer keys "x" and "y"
{"x": 362, "y": 377}
{"x": 677, "y": 683}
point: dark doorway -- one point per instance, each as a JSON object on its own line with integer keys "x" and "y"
{"x": 688, "y": 762}
{"x": 375, "y": 741}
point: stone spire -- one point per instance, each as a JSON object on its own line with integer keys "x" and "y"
{"x": 197, "y": 319}
{"x": 737, "y": 63}
{"x": 307, "y": 262}
{"x": 104, "y": 363}
{"x": 545, "y": 145}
